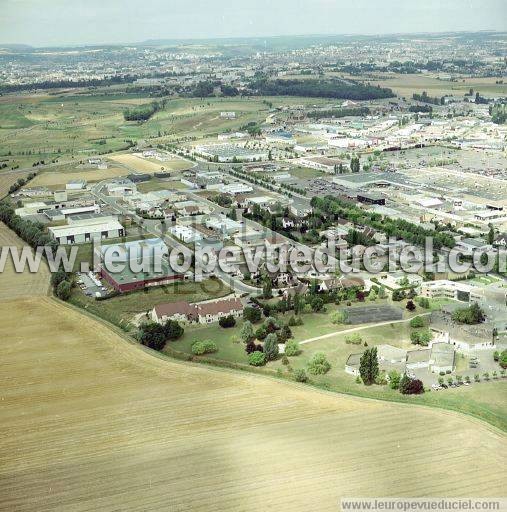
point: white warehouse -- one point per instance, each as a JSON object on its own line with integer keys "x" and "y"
{"x": 87, "y": 230}
{"x": 185, "y": 233}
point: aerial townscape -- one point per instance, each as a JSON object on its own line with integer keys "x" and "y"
{"x": 252, "y": 273}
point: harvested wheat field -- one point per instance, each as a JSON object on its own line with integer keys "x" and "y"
{"x": 14, "y": 285}
{"x": 139, "y": 164}
{"x": 90, "y": 422}
{"x": 54, "y": 179}
{"x": 9, "y": 178}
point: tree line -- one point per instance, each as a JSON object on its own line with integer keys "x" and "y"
{"x": 33, "y": 233}
{"x": 424, "y": 98}
{"x": 399, "y": 228}
{"x": 143, "y": 112}
{"x": 339, "y": 112}
{"x": 320, "y": 89}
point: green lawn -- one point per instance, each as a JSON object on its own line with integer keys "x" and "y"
{"x": 156, "y": 184}
{"x": 305, "y": 173}
{"x": 483, "y": 280}
{"x": 484, "y": 400}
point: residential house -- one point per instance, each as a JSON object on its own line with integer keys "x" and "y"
{"x": 202, "y": 312}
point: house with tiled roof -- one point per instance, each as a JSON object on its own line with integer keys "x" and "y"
{"x": 202, "y": 312}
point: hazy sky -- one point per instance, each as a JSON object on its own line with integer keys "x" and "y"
{"x": 53, "y": 22}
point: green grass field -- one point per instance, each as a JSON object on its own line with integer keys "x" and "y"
{"x": 305, "y": 173}
{"x": 74, "y": 126}
{"x": 156, "y": 184}
{"x": 483, "y": 400}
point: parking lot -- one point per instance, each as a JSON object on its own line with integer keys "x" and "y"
{"x": 90, "y": 287}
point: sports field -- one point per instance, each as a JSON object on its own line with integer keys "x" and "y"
{"x": 91, "y": 422}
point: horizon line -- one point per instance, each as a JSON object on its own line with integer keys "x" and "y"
{"x": 162, "y": 40}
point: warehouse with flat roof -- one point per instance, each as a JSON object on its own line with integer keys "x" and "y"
{"x": 83, "y": 232}
{"x": 137, "y": 265}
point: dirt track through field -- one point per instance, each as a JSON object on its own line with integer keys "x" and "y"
{"x": 90, "y": 422}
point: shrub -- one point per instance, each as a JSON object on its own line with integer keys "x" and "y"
{"x": 424, "y": 302}
{"x": 152, "y": 335}
{"x": 317, "y": 304}
{"x": 381, "y": 379}
{"x": 410, "y": 386}
{"x": 339, "y": 317}
{"x": 63, "y": 290}
{"x": 252, "y": 314}
{"x": 284, "y": 334}
{"x": 318, "y": 364}
{"x": 471, "y": 315}
{"x": 300, "y": 376}
{"x": 410, "y": 305}
{"x": 250, "y": 347}
{"x": 246, "y": 333}
{"x": 354, "y": 339}
{"x": 204, "y": 347}
{"x": 503, "y": 359}
{"x": 417, "y": 321}
{"x": 271, "y": 347}
{"x": 307, "y": 308}
{"x": 57, "y": 278}
{"x": 292, "y": 348}
{"x": 421, "y": 337}
{"x": 198, "y": 348}
{"x": 394, "y": 379}
{"x": 227, "y": 321}
{"x": 261, "y": 332}
{"x": 398, "y": 295}
{"x": 257, "y": 359}
{"x": 173, "y": 330}
{"x": 271, "y": 324}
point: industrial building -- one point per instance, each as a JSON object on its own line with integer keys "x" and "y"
{"x": 142, "y": 263}
{"x": 87, "y": 230}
